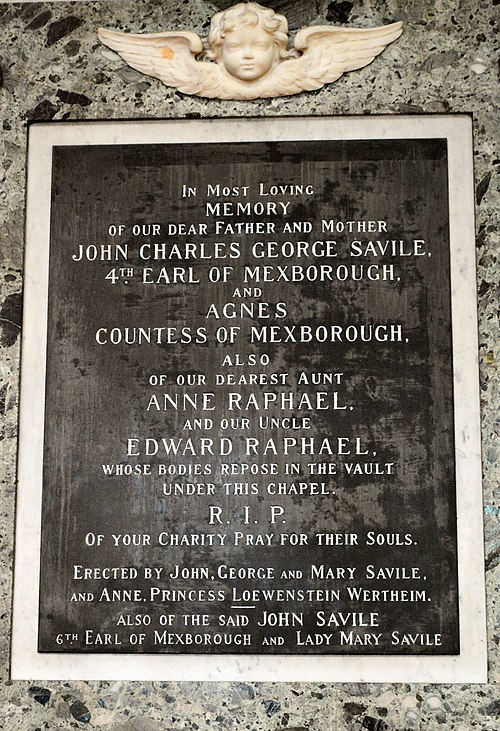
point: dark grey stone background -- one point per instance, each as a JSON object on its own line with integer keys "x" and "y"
{"x": 52, "y": 67}
{"x": 401, "y": 392}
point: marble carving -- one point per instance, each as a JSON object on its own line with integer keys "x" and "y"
{"x": 247, "y": 54}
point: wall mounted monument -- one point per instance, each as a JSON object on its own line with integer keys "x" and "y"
{"x": 249, "y": 435}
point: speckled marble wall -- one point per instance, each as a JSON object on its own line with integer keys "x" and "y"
{"x": 52, "y": 67}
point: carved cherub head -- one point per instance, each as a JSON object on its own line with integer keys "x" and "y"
{"x": 246, "y": 54}
{"x": 248, "y": 40}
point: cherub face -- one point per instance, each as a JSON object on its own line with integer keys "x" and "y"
{"x": 248, "y": 52}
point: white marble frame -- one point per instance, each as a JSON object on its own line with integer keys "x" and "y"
{"x": 471, "y": 664}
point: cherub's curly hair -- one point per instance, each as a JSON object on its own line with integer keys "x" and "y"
{"x": 247, "y": 14}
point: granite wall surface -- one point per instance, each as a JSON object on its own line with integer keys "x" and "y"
{"x": 53, "y": 67}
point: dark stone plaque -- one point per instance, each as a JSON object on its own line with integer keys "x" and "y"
{"x": 249, "y": 433}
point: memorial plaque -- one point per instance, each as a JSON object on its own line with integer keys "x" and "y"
{"x": 249, "y": 424}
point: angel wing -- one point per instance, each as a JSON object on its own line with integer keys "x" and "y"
{"x": 327, "y": 53}
{"x": 169, "y": 57}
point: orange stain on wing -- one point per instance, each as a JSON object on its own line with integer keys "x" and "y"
{"x": 167, "y": 52}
